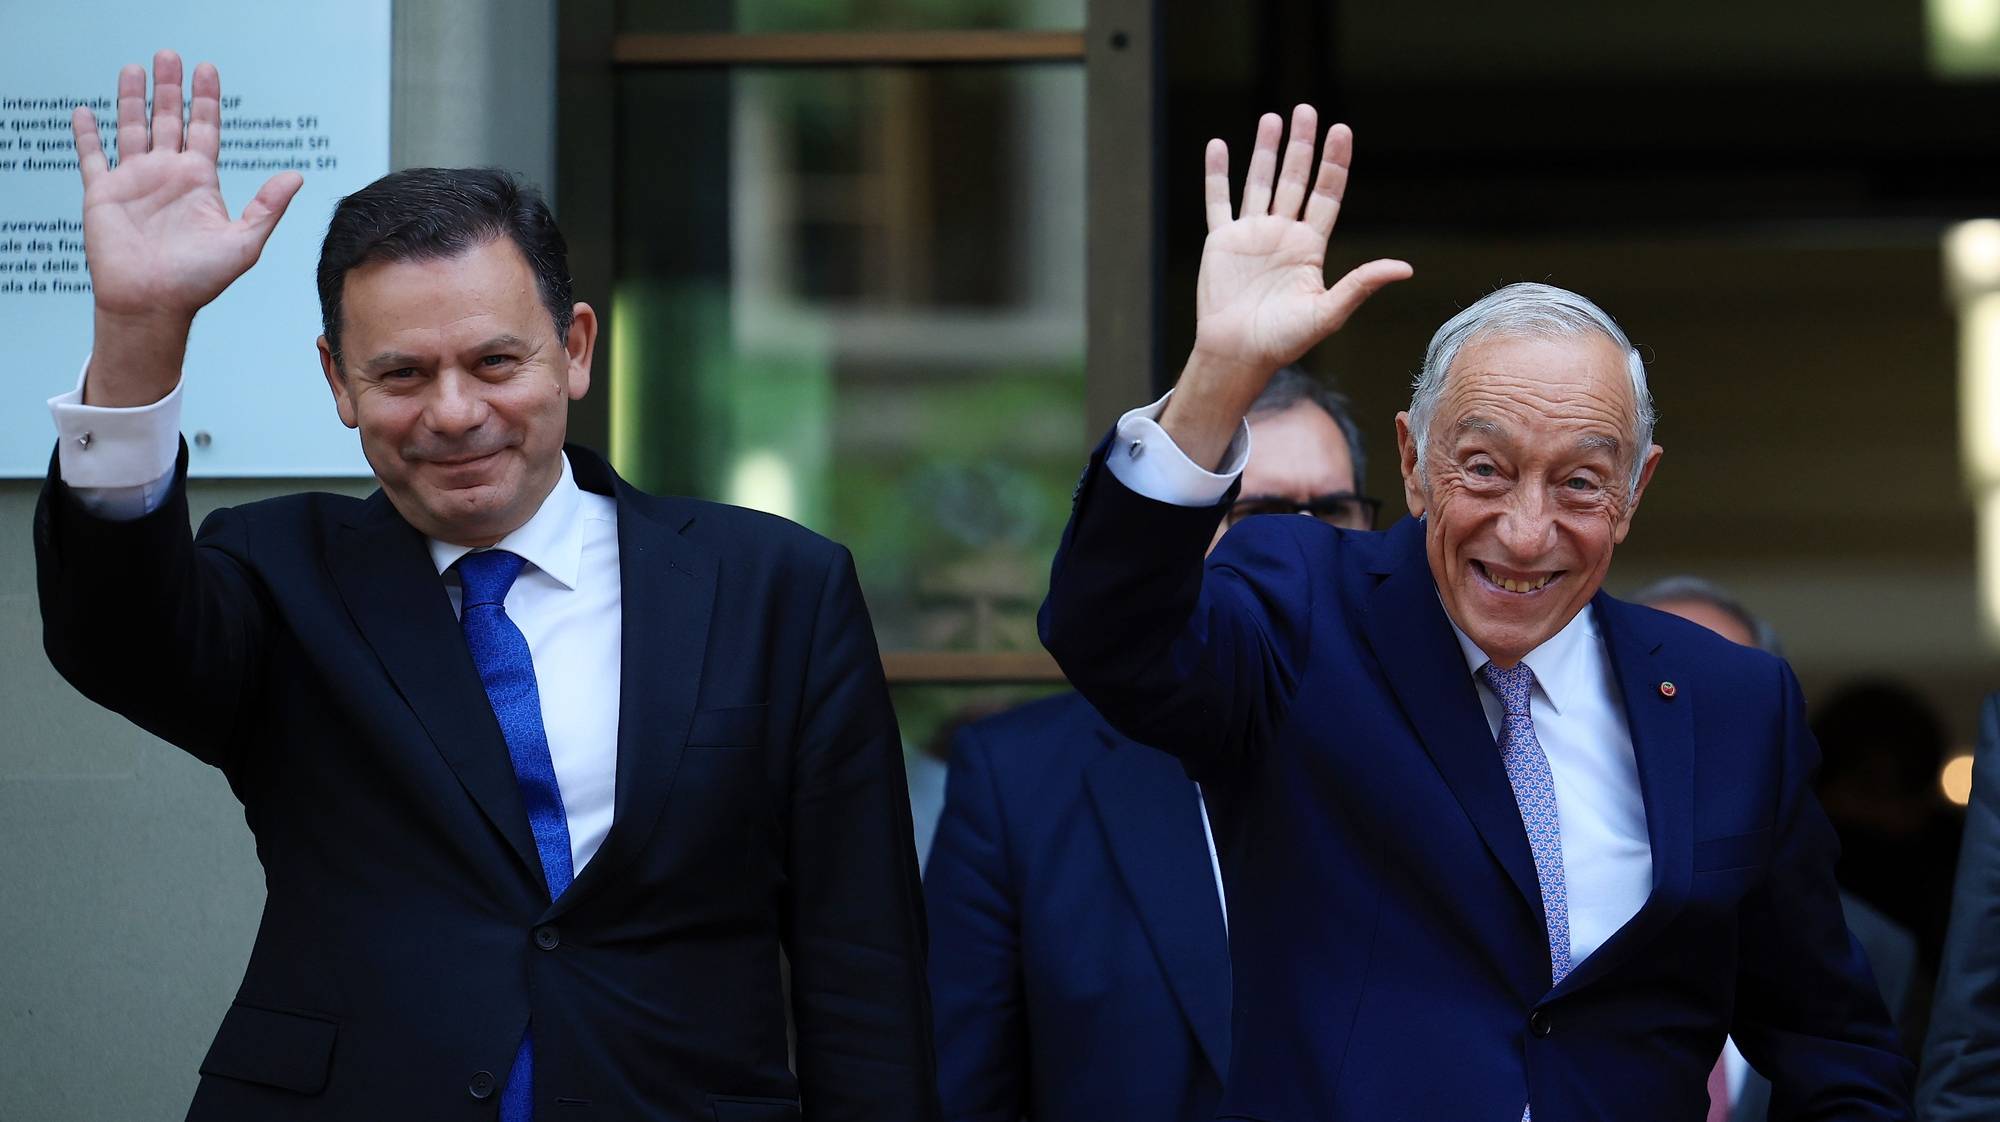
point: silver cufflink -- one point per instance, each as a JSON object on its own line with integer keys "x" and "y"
{"x": 1137, "y": 447}
{"x": 84, "y": 440}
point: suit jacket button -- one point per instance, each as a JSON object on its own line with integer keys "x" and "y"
{"x": 547, "y": 938}
{"x": 1538, "y": 1023}
{"x": 481, "y": 1086}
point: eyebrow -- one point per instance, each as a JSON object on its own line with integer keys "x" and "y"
{"x": 501, "y": 343}
{"x": 391, "y": 360}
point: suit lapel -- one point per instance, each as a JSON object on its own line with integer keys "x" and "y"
{"x": 667, "y": 587}
{"x": 1662, "y": 731}
{"x": 1421, "y": 658}
{"x": 1147, "y": 806}
{"x": 384, "y": 573}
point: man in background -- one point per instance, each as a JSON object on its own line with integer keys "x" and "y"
{"x": 1079, "y": 958}
{"x": 1737, "y": 1093}
{"x": 1883, "y": 747}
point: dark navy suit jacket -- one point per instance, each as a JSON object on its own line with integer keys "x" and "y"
{"x": 1962, "y": 1053}
{"x": 1390, "y": 957}
{"x": 1079, "y": 965}
{"x": 305, "y": 646}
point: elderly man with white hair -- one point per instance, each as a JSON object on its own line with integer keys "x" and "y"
{"x": 1496, "y": 845}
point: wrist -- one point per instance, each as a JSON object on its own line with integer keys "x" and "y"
{"x": 1209, "y": 403}
{"x": 135, "y": 359}
{"x": 1222, "y": 382}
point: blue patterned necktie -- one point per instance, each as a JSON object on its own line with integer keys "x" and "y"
{"x": 507, "y": 670}
{"x": 1535, "y": 794}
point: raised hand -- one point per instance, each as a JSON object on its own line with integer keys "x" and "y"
{"x": 1262, "y": 299}
{"x": 159, "y": 238}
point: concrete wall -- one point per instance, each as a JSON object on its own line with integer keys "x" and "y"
{"x": 131, "y": 885}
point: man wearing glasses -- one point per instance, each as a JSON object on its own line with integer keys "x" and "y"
{"x": 1079, "y": 958}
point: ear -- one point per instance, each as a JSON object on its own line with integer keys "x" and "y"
{"x": 581, "y": 344}
{"x": 1406, "y": 453}
{"x": 1624, "y": 525}
{"x": 343, "y": 399}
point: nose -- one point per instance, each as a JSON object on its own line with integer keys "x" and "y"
{"x": 1526, "y": 529}
{"x": 456, "y": 406}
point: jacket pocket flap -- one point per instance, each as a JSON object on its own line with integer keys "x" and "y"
{"x": 273, "y": 1048}
{"x": 729, "y": 1109}
{"x": 738, "y": 726}
{"x": 1733, "y": 852}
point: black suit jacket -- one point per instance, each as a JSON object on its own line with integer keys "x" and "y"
{"x": 1961, "y": 1070}
{"x": 1079, "y": 963}
{"x": 305, "y": 646}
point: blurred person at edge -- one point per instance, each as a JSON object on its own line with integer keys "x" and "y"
{"x": 545, "y": 773}
{"x": 1738, "y": 1094}
{"x": 1961, "y": 1069}
{"x": 1463, "y": 799}
{"x": 1885, "y": 747}
{"x": 1079, "y": 955}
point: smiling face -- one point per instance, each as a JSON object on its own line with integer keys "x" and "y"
{"x": 454, "y": 375}
{"x": 1524, "y": 484}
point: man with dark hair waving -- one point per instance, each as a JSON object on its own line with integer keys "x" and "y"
{"x": 1495, "y": 845}
{"x": 547, "y": 775}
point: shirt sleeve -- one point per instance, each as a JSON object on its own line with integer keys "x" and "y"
{"x": 119, "y": 463}
{"x": 1146, "y": 460}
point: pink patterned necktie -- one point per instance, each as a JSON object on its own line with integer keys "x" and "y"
{"x": 1535, "y": 794}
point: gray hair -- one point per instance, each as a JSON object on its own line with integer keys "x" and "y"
{"x": 1527, "y": 309}
{"x": 1292, "y": 385}
{"x": 1708, "y": 592}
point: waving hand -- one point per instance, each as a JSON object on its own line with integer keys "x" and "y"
{"x": 159, "y": 238}
{"x": 1262, "y": 299}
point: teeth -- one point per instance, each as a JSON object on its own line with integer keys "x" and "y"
{"x": 1512, "y": 585}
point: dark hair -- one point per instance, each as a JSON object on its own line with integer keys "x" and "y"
{"x": 1291, "y": 385}
{"x": 422, "y": 214}
{"x": 1712, "y": 594}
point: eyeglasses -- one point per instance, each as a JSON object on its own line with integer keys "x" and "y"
{"x": 1344, "y": 509}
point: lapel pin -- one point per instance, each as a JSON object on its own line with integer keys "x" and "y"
{"x": 1667, "y": 690}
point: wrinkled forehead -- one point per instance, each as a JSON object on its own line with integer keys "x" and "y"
{"x": 1577, "y": 381}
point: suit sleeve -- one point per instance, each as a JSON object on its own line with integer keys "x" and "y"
{"x": 1808, "y": 1013}
{"x": 147, "y": 620}
{"x": 1198, "y": 660}
{"x": 976, "y": 986}
{"x": 1961, "y": 1081}
{"x": 854, "y": 919}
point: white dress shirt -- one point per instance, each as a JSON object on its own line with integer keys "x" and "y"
{"x": 567, "y": 601}
{"x": 1579, "y": 719}
{"x": 1214, "y": 859}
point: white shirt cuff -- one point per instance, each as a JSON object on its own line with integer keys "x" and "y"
{"x": 1144, "y": 458}
{"x": 119, "y": 463}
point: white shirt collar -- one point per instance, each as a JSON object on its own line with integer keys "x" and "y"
{"x": 551, "y": 541}
{"x": 1560, "y": 664}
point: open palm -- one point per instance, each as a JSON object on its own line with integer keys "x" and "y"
{"x": 159, "y": 238}
{"x": 1262, "y": 299}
